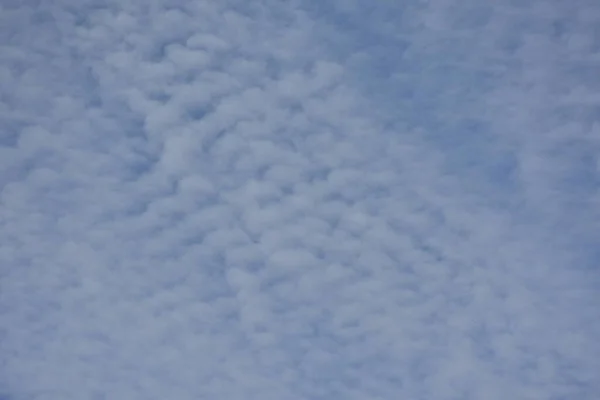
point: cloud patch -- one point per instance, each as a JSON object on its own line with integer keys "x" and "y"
{"x": 269, "y": 201}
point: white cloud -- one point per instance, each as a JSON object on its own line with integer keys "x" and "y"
{"x": 212, "y": 199}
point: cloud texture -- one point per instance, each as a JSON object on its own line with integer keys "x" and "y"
{"x": 299, "y": 200}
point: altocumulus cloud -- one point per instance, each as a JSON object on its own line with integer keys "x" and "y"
{"x": 299, "y": 200}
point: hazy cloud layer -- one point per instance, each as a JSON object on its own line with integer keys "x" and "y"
{"x": 299, "y": 200}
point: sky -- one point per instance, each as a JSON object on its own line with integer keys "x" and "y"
{"x": 299, "y": 200}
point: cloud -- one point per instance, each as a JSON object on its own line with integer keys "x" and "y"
{"x": 204, "y": 199}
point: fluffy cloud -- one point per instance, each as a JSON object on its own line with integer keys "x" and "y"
{"x": 284, "y": 201}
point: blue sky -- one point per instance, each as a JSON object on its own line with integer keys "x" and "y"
{"x": 299, "y": 200}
